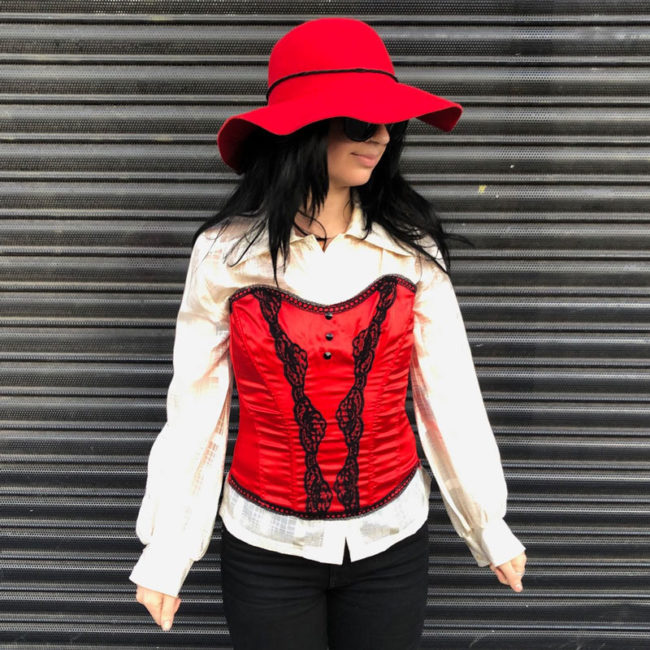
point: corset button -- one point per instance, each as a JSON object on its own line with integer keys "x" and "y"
{"x": 329, "y": 315}
{"x": 329, "y": 336}
{"x": 327, "y": 355}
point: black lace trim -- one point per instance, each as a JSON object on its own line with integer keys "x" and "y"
{"x": 396, "y": 491}
{"x": 311, "y": 423}
{"x": 308, "y": 305}
{"x": 350, "y": 410}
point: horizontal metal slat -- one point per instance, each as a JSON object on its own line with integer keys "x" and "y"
{"x": 94, "y": 271}
{"x": 447, "y": 80}
{"x": 71, "y": 161}
{"x": 247, "y": 10}
{"x": 498, "y": 277}
{"x": 484, "y": 312}
{"x": 205, "y": 196}
{"x": 63, "y": 239}
{"x": 84, "y": 378}
{"x": 512, "y": 116}
{"x": 245, "y": 39}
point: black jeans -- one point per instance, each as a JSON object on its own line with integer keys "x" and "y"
{"x": 274, "y": 601}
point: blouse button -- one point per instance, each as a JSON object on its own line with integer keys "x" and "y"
{"x": 329, "y": 336}
{"x": 329, "y": 315}
{"x": 327, "y": 355}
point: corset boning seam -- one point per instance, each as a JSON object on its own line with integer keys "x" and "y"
{"x": 271, "y": 393}
{"x": 380, "y": 398}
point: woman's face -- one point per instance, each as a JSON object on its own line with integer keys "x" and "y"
{"x": 350, "y": 163}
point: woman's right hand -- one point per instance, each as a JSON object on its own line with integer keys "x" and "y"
{"x": 162, "y": 607}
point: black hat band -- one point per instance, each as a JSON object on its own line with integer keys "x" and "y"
{"x": 310, "y": 72}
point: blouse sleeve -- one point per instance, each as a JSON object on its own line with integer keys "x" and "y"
{"x": 453, "y": 425}
{"x": 186, "y": 462}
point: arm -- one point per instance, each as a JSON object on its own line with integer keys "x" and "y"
{"x": 453, "y": 425}
{"x": 186, "y": 463}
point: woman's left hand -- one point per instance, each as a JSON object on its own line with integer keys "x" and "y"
{"x": 512, "y": 571}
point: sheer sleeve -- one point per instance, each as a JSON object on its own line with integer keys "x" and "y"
{"x": 186, "y": 462}
{"x": 453, "y": 425}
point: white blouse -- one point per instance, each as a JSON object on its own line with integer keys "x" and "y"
{"x": 186, "y": 463}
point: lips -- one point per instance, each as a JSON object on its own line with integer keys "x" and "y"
{"x": 367, "y": 160}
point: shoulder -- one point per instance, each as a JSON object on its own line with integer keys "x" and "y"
{"x": 228, "y": 230}
{"x": 219, "y": 239}
{"x": 431, "y": 247}
{"x": 209, "y": 273}
{"x": 380, "y": 236}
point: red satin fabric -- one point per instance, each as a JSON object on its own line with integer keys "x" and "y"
{"x": 269, "y": 461}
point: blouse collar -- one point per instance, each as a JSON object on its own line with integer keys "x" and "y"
{"x": 378, "y": 236}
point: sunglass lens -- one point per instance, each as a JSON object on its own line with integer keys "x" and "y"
{"x": 357, "y": 130}
{"x": 360, "y": 131}
{"x": 397, "y": 129}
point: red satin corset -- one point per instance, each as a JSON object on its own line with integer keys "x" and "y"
{"x": 323, "y": 429}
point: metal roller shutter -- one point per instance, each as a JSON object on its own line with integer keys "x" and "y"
{"x": 108, "y": 113}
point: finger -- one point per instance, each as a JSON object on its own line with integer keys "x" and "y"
{"x": 519, "y": 563}
{"x": 514, "y": 580}
{"x": 153, "y": 602}
{"x": 170, "y": 606}
{"x": 499, "y": 574}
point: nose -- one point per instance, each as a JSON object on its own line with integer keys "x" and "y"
{"x": 381, "y": 135}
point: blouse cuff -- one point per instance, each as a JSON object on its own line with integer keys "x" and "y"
{"x": 495, "y": 544}
{"x": 161, "y": 568}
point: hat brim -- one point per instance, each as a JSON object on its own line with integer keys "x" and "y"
{"x": 371, "y": 98}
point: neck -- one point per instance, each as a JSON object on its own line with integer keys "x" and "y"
{"x": 333, "y": 217}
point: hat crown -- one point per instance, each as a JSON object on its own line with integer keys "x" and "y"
{"x": 328, "y": 44}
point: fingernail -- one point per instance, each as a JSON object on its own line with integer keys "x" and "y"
{"x": 518, "y": 586}
{"x": 167, "y": 625}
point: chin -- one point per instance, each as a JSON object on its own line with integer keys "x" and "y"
{"x": 357, "y": 178}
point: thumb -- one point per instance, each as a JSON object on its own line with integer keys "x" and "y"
{"x": 513, "y": 578}
{"x": 169, "y": 608}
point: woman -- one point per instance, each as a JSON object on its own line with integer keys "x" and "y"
{"x": 325, "y": 505}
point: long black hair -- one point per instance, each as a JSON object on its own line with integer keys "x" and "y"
{"x": 283, "y": 175}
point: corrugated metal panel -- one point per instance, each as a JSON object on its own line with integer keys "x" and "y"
{"x": 108, "y": 165}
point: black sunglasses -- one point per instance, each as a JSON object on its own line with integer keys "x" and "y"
{"x": 360, "y": 131}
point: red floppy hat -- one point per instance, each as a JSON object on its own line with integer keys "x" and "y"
{"x": 332, "y": 67}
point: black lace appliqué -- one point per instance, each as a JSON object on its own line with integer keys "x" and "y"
{"x": 311, "y": 423}
{"x": 349, "y": 412}
{"x": 310, "y": 420}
